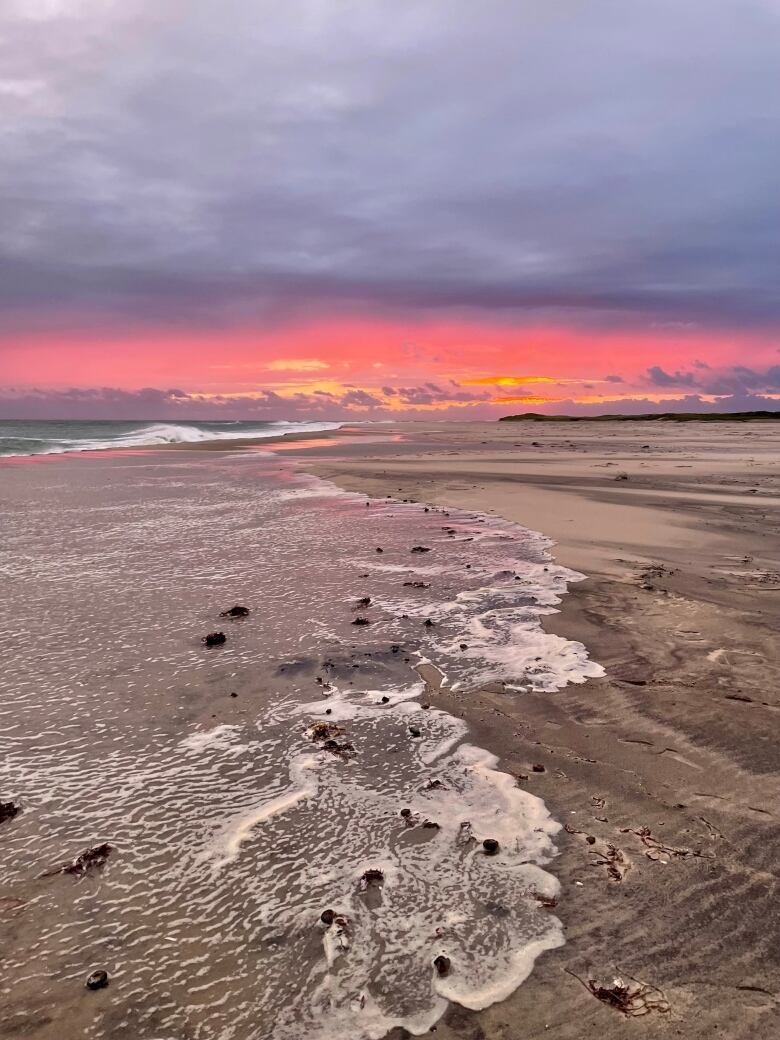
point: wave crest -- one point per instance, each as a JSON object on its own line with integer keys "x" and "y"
{"x": 57, "y": 438}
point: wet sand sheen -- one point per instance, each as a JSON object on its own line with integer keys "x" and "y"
{"x": 232, "y": 829}
{"x": 680, "y": 739}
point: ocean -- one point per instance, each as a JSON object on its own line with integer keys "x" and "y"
{"x": 57, "y": 437}
{"x": 296, "y": 832}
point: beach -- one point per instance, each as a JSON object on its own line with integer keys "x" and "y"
{"x": 416, "y": 659}
{"x": 672, "y": 758}
{"x": 226, "y": 792}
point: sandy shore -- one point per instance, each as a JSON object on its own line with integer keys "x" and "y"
{"x": 671, "y": 763}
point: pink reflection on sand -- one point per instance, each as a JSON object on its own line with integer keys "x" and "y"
{"x": 320, "y": 442}
{"x": 57, "y": 456}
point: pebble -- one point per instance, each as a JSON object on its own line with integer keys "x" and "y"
{"x": 442, "y": 965}
{"x": 97, "y": 979}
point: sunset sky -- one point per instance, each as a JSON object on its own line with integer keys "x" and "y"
{"x": 374, "y": 209}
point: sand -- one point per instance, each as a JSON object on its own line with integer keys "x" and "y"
{"x": 671, "y": 763}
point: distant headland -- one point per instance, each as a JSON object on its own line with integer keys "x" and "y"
{"x": 649, "y": 416}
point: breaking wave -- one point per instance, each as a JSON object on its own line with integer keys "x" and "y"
{"x": 58, "y": 438}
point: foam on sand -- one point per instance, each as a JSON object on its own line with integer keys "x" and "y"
{"x": 440, "y": 894}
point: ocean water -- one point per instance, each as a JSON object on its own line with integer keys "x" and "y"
{"x": 233, "y": 827}
{"x": 57, "y": 437}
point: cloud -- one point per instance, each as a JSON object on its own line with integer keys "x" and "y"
{"x": 92, "y": 403}
{"x": 740, "y": 379}
{"x": 256, "y": 163}
{"x": 431, "y": 394}
{"x": 734, "y": 380}
{"x": 260, "y": 403}
{"x": 424, "y": 402}
{"x": 296, "y": 365}
{"x": 658, "y": 377}
{"x": 360, "y": 399}
{"x": 613, "y": 379}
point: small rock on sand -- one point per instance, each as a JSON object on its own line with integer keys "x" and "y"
{"x": 97, "y": 979}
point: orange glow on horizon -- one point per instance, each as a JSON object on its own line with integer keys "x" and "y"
{"x": 523, "y": 400}
{"x": 425, "y": 366}
{"x": 523, "y": 380}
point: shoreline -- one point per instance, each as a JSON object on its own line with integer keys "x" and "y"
{"x": 671, "y": 761}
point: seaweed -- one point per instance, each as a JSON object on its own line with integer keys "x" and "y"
{"x": 633, "y": 998}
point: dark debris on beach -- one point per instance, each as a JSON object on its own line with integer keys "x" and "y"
{"x": 8, "y": 810}
{"x": 632, "y": 998}
{"x": 90, "y": 859}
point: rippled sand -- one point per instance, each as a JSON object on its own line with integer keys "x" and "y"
{"x": 232, "y": 829}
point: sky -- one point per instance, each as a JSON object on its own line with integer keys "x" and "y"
{"x": 370, "y": 209}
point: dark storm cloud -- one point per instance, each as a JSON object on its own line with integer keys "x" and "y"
{"x": 201, "y": 162}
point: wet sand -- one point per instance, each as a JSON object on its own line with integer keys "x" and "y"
{"x": 671, "y": 763}
{"x": 230, "y": 825}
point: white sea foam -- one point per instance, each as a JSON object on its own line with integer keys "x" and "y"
{"x": 440, "y": 893}
{"x": 223, "y": 737}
